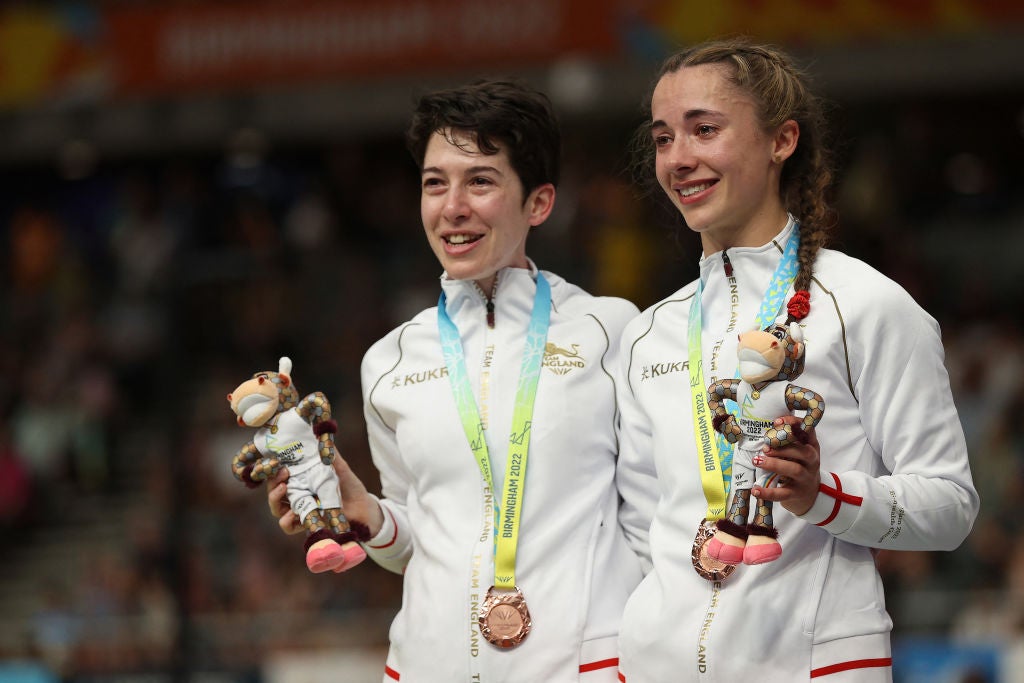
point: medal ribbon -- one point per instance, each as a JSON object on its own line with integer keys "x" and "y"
{"x": 715, "y": 452}
{"x": 519, "y": 440}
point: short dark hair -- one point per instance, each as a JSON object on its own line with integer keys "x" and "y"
{"x": 494, "y": 113}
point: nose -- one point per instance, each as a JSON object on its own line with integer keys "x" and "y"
{"x": 456, "y": 208}
{"x": 677, "y": 157}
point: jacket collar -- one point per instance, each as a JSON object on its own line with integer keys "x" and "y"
{"x": 514, "y": 289}
{"x": 742, "y": 256}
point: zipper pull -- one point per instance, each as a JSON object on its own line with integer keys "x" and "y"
{"x": 727, "y": 263}
{"x": 490, "y": 314}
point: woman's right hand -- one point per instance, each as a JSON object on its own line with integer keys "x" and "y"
{"x": 277, "y": 499}
{"x": 356, "y": 502}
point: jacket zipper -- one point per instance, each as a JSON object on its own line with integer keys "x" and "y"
{"x": 726, "y": 263}
{"x": 489, "y": 300}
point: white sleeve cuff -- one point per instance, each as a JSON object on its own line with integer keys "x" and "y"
{"x": 834, "y": 509}
{"x": 391, "y": 547}
{"x": 388, "y": 533}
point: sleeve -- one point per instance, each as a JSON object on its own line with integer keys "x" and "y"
{"x": 927, "y": 500}
{"x": 392, "y": 547}
{"x": 635, "y": 475}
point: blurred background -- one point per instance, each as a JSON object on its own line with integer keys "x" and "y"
{"x": 189, "y": 190}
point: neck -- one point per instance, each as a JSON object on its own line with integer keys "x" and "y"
{"x": 755, "y": 233}
{"x": 486, "y": 285}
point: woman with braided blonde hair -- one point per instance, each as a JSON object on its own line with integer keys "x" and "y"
{"x": 735, "y": 140}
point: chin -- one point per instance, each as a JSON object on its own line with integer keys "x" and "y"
{"x": 461, "y": 273}
{"x": 698, "y": 223}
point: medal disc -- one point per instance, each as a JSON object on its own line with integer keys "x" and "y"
{"x": 504, "y": 619}
{"x": 705, "y": 565}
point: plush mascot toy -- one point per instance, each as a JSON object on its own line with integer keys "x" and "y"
{"x": 769, "y": 360}
{"x": 298, "y": 435}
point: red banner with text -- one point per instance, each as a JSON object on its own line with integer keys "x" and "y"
{"x": 83, "y": 53}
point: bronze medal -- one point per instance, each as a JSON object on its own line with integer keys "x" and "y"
{"x": 504, "y": 618}
{"x": 705, "y": 565}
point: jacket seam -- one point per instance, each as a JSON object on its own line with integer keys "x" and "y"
{"x": 401, "y": 334}
{"x": 632, "y": 347}
{"x": 607, "y": 347}
{"x": 846, "y": 345}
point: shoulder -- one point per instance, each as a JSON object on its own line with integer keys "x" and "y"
{"x": 385, "y": 353}
{"x": 861, "y": 292}
{"x": 669, "y": 312}
{"x": 573, "y": 301}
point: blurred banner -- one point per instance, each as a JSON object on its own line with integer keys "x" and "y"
{"x": 262, "y": 44}
{"x": 77, "y": 53}
{"x": 822, "y": 22}
{"x": 170, "y": 49}
{"x": 52, "y": 54}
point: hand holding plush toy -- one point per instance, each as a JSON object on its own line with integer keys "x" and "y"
{"x": 768, "y": 360}
{"x": 298, "y": 435}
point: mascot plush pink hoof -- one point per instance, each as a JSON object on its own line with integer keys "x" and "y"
{"x": 762, "y": 545}
{"x": 730, "y": 554}
{"x": 325, "y": 555}
{"x": 728, "y": 542}
{"x": 354, "y": 554}
{"x": 759, "y": 553}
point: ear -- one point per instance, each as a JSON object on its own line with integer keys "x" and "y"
{"x": 784, "y": 141}
{"x": 540, "y": 203}
{"x": 229, "y": 398}
{"x": 797, "y": 336}
{"x": 285, "y": 379}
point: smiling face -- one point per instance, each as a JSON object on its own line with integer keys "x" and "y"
{"x": 473, "y": 210}
{"x": 715, "y": 160}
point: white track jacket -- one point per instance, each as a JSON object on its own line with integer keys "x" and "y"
{"x": 894, "y": 473}
{"x": 574, "y": 566}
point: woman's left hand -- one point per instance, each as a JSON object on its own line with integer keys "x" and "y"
{"x": 798, "y": 466}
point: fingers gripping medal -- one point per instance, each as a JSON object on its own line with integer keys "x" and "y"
{"x": 503, "y": 617}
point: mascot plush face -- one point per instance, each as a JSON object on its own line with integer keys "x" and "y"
{"x": 774, "y": 353}
{"x": 267, "y": 393}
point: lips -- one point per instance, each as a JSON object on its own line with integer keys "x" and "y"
{"x": 693, "y": 190}
{"x": 457, "y": 243}
{"x": 459, "y": 239}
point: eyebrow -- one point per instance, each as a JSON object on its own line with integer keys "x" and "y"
{"x": 469, "y": 171}
{"x": 690, "y": 115}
